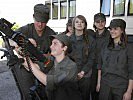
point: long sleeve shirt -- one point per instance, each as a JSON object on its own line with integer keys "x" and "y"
{"x": 116, "y": 65}
{"x": 79, "y": 46}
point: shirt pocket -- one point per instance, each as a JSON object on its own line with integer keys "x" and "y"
{"x": 106, "y": 56}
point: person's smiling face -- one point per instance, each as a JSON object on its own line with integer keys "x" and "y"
{"x": 56, "y": 48}
{"x": 79, "y": 24}
{"x": 39, "y": 26}
{"x": 116, "y": 32}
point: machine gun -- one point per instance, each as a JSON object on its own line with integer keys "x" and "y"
{"x": 20, "y": 39}
{"x": 13, "y": 61}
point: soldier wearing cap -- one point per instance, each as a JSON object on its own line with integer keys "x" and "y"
{"x": 60, "y": 81}
{"x": 101, "y": 36}
{"x": 115, "y": 64}
{"x": 69, "y": 29}
{"x": 38, "y": 33}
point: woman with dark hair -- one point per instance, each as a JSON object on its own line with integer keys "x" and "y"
{"x": 115, "y": 75}
{"x": 83, "y": 54}
{"x": 69, "y": 30}
{"x": 101, "y": 36}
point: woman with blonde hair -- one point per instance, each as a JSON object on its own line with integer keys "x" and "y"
{"x": 83, "y": 46}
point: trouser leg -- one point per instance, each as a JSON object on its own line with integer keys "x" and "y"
{"x": 94, "y": 94}
{"x": 118, "y": 93}
{"x": 84, "y": 87}
{"x": 105, "y": 92}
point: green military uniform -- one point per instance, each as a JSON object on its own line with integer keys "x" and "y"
{"x": 83, "y": 54}
{"x": 61, "y": 80}
{"x": 43, "y": 44}
{"x": 100, "y": 39}
{"x": 117, "y": 68}
{"x": 26, "y": 79}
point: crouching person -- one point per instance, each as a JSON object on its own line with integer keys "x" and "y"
{"x": 60, "y": 81}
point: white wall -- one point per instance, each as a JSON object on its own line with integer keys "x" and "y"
{"x": 19, "y": 11}
{"x": 88, "y": 8}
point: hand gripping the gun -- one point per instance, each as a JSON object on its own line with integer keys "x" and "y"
{"x": 20, "y": 39}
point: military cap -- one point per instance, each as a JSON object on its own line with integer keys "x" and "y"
{"x": 64, "y": 39}
{"x": 69, "y": 23}
{"x": 117, "y": 23}
{"x": 99, "y": 16}
{"x": 41, "y": 13}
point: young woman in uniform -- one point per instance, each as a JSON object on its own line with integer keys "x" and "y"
{"x": 83, "y": 46}
{"x": 115, "y": 75}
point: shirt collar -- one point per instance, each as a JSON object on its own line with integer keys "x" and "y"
{"x": 118, "y": 47}
{"x": 62, "y": 62}
{"x": 102, "y": 34}
{"x": 74, "y": 37}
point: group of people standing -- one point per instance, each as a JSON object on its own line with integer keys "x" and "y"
{"x": 84, "y": 64}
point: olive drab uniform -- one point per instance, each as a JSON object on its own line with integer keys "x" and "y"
{"x": 61, "y": 80}
{"x": 43, "y": 42}
{"x": 26, "y": 79}
{"x": 116, "y": 65}
{"x": 100, "y": 40}
{"x": 84, "y": 56}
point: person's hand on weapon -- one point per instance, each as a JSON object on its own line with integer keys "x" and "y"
{"x": 19, "y": 49}
{"x": 20, "y": 39}
{"x": 35, "y": 70}
{"x": 25, "y": 64}
{"x": 33, "y": 42}
{"x": 14, "y": 45}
